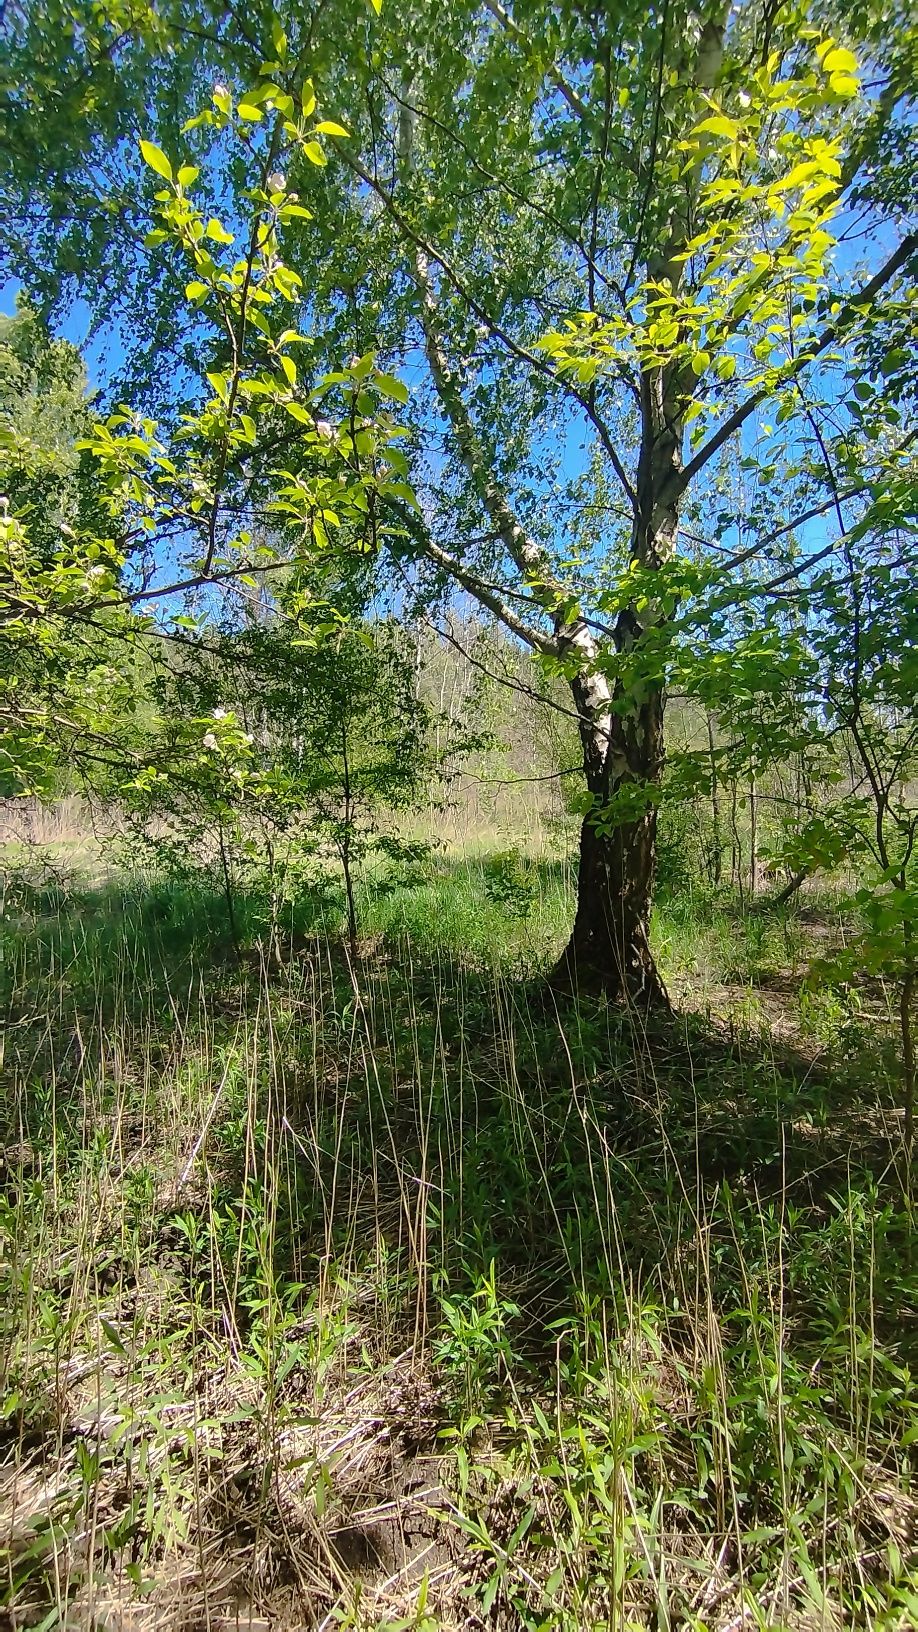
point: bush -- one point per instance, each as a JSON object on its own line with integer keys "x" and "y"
{"x": 512, "y": 881}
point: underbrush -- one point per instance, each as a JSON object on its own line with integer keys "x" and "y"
{"x": 391, "y": 1295}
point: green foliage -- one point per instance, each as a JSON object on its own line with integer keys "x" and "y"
{"x": 761, "y": 254}
{"x": 474, "y": 1350}
{"x": 512, "y": 882}
{"x": 684, "y": 847}
{"x": 271, "y": 756}
{"x": 62, "y": 684}
{"x": 44, "y": 412}
{"x": 435, "y": 209}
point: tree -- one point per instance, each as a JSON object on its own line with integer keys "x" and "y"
{"x": 67, "y": 590}
{"x": 870, "y": 693}
{"x": 273, "y": 744}
{"x": 67, "y": 690}
{"x": 681, "y": 176}
{"x": 45, "y": 412}
{"x": 836, "y": 684}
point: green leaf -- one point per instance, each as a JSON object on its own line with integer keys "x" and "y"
{"x": 314, "y": 153}
{"x": 330, "y": 127}
{"x": 113, "y": 1335}
{"x": 401, "y": 490}
{"x": 249, "y": 112}
{"x": 839, "y": 61}
{"x": 718, "y": 125}
{"x": 217, "y": 232}
{"x": 188, "y": 175}
{"x": 392, "y": 387}
{"x": 194, "y": 290}
{"x": 156, "y": 159}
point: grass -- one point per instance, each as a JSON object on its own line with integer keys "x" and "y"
{"x": 391, "y": 1296}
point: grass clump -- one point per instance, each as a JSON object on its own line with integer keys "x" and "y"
{"x": 389, "y": 1294}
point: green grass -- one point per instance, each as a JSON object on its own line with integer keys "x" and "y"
{"x": 391, "y": 1295}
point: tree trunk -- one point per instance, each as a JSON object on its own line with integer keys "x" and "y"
{"x": 753, "y": 837}
{"x": 609, "y": 949}
{"x": 717, "y": 832}
{"x": 736, "y": 853}
{"x": 906, "y": 998}
{"x": 621, "y": 729}
{"x": 228, "y": 894}
{"x": 345, "y": 849}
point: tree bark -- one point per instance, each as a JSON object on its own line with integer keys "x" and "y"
{"x": 609, "y": 948}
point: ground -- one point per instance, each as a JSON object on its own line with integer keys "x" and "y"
{"x": 391, "y": 1294}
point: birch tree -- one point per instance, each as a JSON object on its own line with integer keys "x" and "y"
{"x": 674, "y": 184}
{"x": 626, "y": 240}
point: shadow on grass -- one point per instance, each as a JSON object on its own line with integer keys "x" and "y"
{"x": 534, "y": 1127}
{"x": 259, "y": 1185}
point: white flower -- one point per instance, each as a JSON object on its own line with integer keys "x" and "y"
{"x": 324, "y": 429}
{"x": 210, "y": 740}
{"x": 219, "y": 713}
{"x": 277, "y": 181}
{"x": 220, "y": 89}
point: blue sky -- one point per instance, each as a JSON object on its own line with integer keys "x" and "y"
{"x": 100, "y": 352}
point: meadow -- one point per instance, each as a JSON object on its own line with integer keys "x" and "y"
{"x": 395, "y": 1292}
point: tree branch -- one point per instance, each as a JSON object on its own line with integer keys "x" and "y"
{"x": 540, "y": 365}
{"x": 571, "y": 97}
{"x": 834, "y": 332}
{"x": 488, "y": 597}
{"x": 528, "y": 556}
